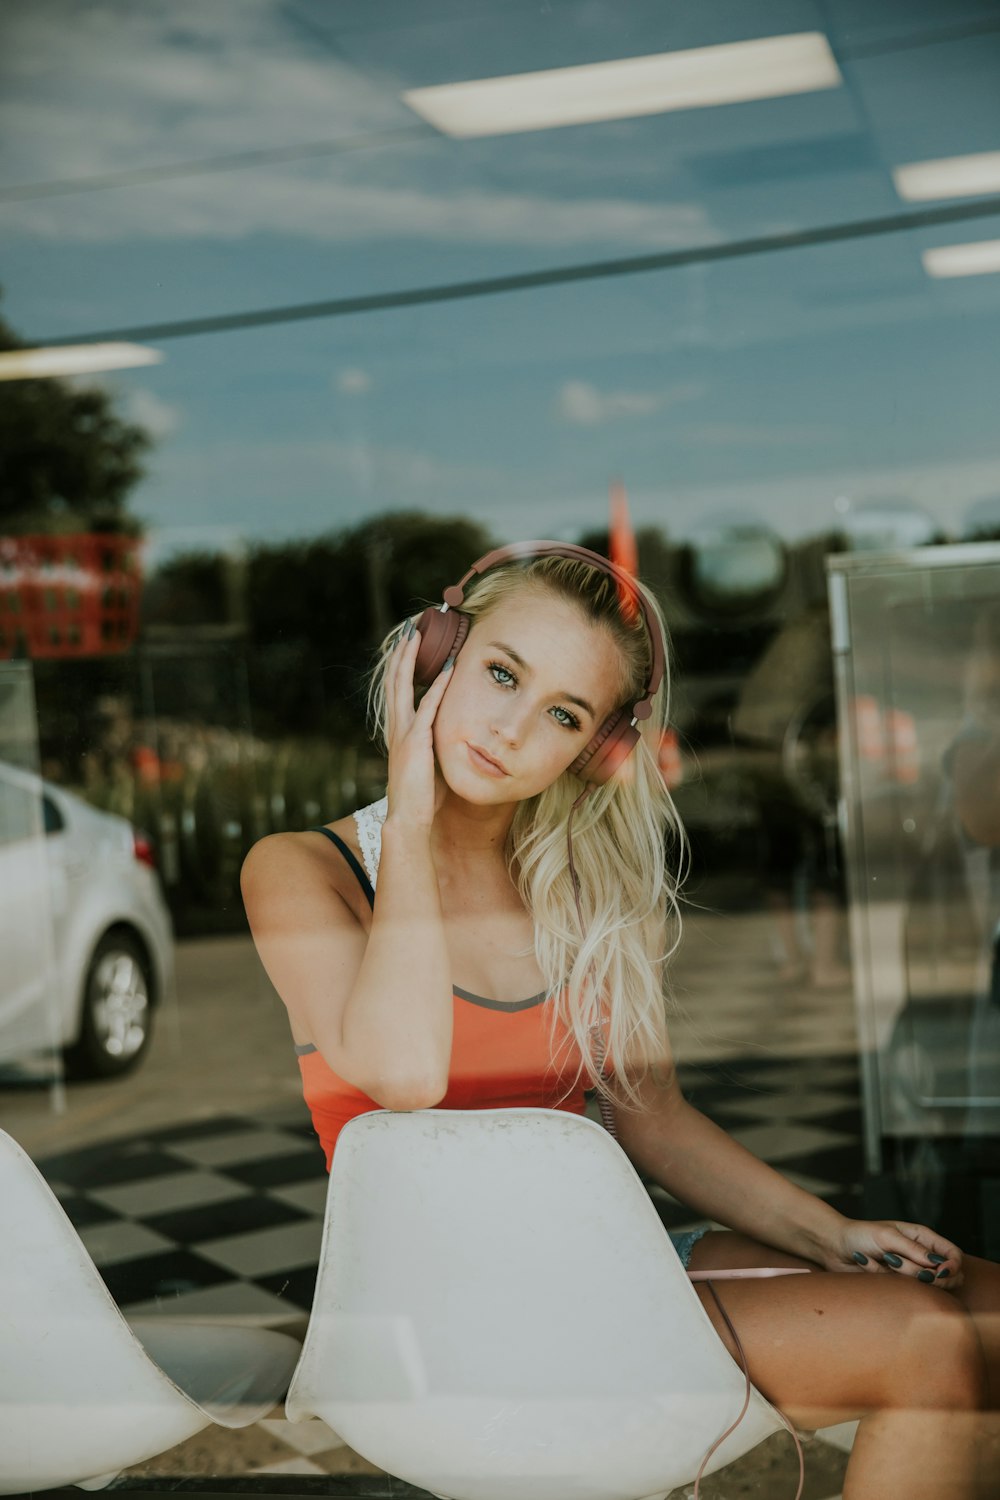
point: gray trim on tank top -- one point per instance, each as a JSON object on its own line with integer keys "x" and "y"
{"x": 305, "y": 1048}
{"x": 498, "y": 1004}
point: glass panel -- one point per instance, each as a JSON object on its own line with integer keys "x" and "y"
{"x": 361, "y": 352}
{"x": 919, "y": 693}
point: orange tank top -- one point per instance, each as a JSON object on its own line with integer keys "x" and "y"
{"x": 503, "y": 1054}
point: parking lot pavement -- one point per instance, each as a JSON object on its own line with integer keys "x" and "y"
{"x": 221, "y": 1047}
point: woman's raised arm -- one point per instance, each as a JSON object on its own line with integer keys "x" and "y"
{"x": 378, "y": 1007}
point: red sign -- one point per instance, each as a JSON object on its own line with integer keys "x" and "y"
{"x": 75, "y": 595}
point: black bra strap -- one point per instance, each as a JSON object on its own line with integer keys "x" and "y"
{"x": 349, "y": 855}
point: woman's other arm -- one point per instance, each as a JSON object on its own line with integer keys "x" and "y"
{"x": 675, "y": 1145}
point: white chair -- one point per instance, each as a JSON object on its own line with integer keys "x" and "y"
{"x": 80, "y": 1395}
{"x": 499, "y": 1314}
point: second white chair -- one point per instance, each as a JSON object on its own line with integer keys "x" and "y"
{"x": 83, "y": 1394}
{"x": 499, "y": 1314}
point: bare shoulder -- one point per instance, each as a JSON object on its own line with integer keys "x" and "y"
{"x": 310, "y": 922}
{"x": 287, "y": 868}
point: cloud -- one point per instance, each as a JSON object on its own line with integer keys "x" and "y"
{"x": 120, "y": 88}
{"x": 353, "y": 382}
{"x": 160, "y": 83}
{"x": 310, "y": 206}
{"x": 755, "y": 435}
{"x": 159, "y": 418}
{"x": 805, "y": 503}
{"x": 135, "y": 403}
{"x": 583, "y": 405}
{"x": 236, "y": 490}
{"x": 295, "y": 487}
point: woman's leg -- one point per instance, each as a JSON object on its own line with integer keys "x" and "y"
{"x": 903, "y": 1356}
{"x": 979, "y": 1294}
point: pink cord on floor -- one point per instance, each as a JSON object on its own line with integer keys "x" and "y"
{"x": 743, "y": 1410}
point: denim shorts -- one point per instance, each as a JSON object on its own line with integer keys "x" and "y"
{"x": 685, "y": 1242}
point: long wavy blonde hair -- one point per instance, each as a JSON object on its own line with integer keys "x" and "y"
{"x": 608, "y": 983}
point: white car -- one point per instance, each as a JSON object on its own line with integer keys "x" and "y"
{"x": 86, "y": 942}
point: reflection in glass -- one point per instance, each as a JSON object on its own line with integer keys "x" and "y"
{"x": 918, "y": 686}
{"x": 734, "y": 566}
{"x": 29, "y": 895}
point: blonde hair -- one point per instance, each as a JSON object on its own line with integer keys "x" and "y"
{"x": 607, "y": 982}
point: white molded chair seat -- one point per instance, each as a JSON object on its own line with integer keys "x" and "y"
{"x": 500, "y": 1314}
{"x": 80, "y": 1395}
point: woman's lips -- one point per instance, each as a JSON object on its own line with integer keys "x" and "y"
{"x": 484, "y": 762}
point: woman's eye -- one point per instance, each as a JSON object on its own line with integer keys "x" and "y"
{"x": 505, "y": 678}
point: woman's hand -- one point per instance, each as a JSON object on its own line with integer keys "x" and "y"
{"x": 889, "y": 1245}
{"x": 412, "y": 788}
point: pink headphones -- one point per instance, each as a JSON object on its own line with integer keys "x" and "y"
{"x": 443, "y": 633}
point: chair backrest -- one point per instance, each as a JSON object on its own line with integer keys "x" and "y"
{"x": 68, "y": 1359}
{"x": 498, "y": 1305}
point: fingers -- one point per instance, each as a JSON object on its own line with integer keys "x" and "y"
{"x": 399, "y": 679}
{"x": 429, "y": 702}
{"x": 392, "y": 663}
{"x": 914, "y": 1250}
{"x": 893, "y": 1248}
{"x": 401, "y": 713}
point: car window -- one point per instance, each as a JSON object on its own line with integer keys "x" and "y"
{"x": 20, "y": 816}
{"x": 53, "y": 818}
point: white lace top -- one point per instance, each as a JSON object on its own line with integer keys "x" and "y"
{"x": 368, "y": 821}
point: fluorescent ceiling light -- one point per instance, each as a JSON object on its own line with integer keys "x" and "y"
{"x": 73, "y": 359}
{"x": 950, "y": 177}
{"x": 976, "y": 259}
{"x": 761, "y": 69}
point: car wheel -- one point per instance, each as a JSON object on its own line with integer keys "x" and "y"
{"x": 116, "y": 1023}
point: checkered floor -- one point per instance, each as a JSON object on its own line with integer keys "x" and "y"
{"x": 223, "y": 1219}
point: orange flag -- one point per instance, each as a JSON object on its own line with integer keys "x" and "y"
{"x": 622, "y": 549}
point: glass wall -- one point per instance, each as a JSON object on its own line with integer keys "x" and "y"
{"x": 917, "y": 650}
{"x": 292, "y": 332}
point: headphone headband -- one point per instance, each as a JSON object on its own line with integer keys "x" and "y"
{"x": 454, "y": 597}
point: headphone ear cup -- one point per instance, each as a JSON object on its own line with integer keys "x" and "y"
{"x": 441, "y": 635}
{"x": 610, "y": 747}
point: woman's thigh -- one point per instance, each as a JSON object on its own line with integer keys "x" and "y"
{"x": 979, "y": 1294}
{"x": 830, "y": 1346}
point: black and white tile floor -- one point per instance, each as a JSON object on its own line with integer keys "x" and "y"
{"x": 222, "y": 1218}
{"x": 225, "y": 1216}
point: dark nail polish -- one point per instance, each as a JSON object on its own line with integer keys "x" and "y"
{"x": 893, "y": 1260}
{"x": 925, "y": 1275}
{"x": 862, "y": 1260}
{"x": 936, "y": 1260}
{"x": 945, "y": 1272}
{"x": 448, "y": 664}
{"x": 411, "y": 632}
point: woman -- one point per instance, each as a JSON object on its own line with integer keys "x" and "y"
{"x": 479, "y": 881}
